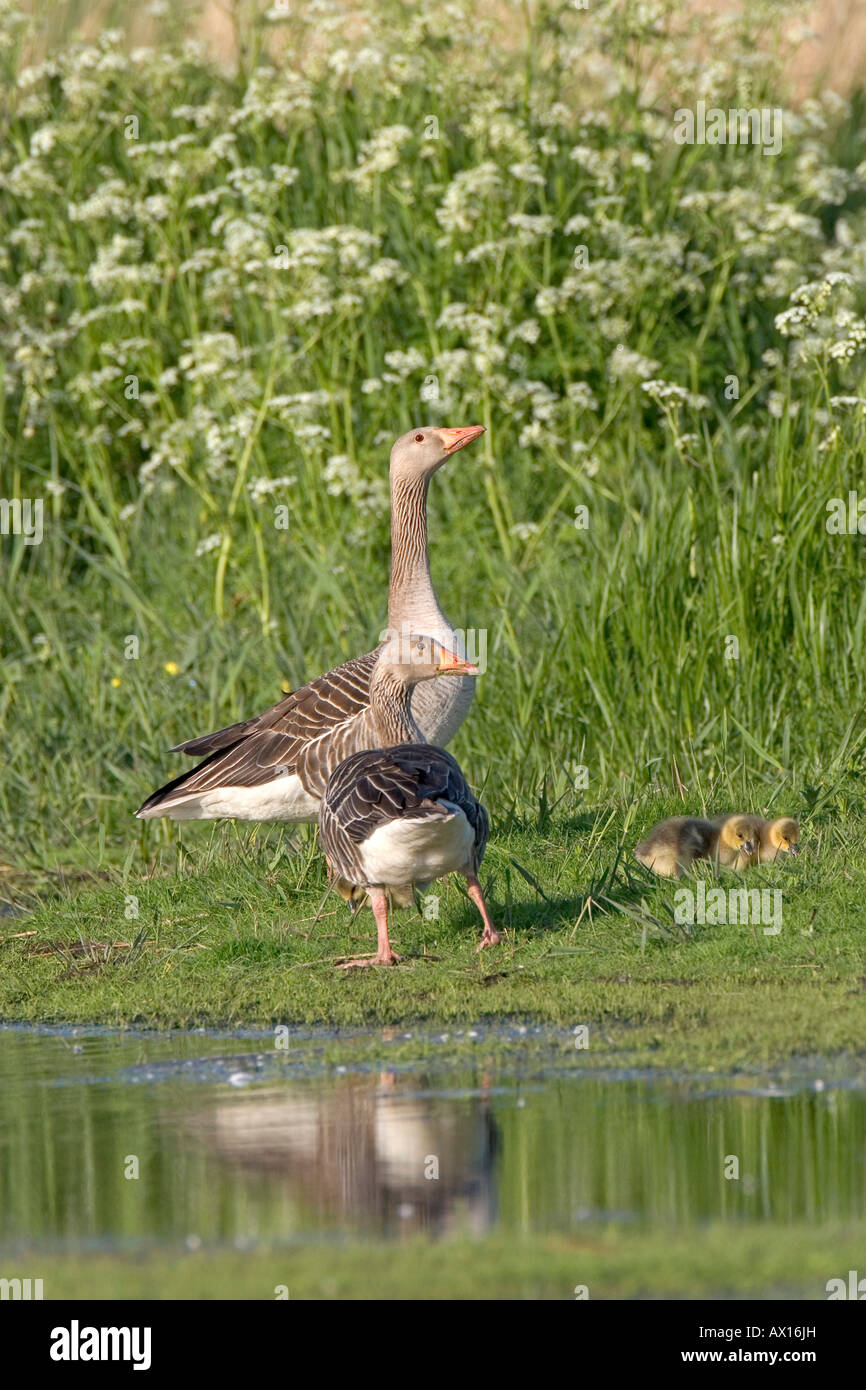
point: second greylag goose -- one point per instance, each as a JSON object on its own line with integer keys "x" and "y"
{"x": 275, "y": 765}
{"x": 399, "y": 816}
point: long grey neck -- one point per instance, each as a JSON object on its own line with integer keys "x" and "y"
{"x": 411, "y": 599}
{"x": 391, "y": 705}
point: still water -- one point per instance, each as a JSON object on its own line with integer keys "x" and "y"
{"x": 128, "y": 1141}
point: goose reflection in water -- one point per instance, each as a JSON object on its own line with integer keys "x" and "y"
{"x": 369, "y": 1152}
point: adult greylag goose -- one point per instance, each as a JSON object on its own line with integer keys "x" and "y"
{"x": 673, "y": 845}
{"x": 275, "y": 765}
{"x": 398, "y": 816}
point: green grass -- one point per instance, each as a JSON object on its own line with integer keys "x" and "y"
{"x": 248, "y": 934}
{"x": 702, "y": 642}
{"x": 718, "y": 1261}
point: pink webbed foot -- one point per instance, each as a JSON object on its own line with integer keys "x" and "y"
{"x": 489, "y": 937}
{"x": 378, "y": 959}
{"x": 383, "y": 955}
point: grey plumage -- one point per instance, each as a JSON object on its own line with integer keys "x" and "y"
{"x": 373, "y": 788}
{"x": 307, "y": 733}
{"x": 402, "y": 814}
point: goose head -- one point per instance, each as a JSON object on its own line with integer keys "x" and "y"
{"x": 742, "y": 834}
{"x": 407, "y": 658}
{"x": 784, "y": 835}
{"x": 419, "y": 453}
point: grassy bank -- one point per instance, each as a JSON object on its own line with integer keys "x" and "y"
{"x": 222, "y": 295}
{"x": 719, "y": 1261}
{"x": 247, "y": 934}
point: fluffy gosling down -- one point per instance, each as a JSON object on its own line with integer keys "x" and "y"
{"x": 673, "y": 845}
{"x": 779, "y": 837}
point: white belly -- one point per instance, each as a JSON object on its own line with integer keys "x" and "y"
{"x": 405, "y": 852}
{"x": 282, "y": 799}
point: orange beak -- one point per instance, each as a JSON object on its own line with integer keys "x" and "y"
{"x": 452, "y": 665}
{"x": 452, "y": 440}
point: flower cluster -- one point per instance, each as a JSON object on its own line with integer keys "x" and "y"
{"x": 214, "y": 284}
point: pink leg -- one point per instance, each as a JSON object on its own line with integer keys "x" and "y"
{"x": 384, "y": 955}
{"x": 490, "y": 936}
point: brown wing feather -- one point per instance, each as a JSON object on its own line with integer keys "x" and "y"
{"x": 374, "y": 787}
{"x": 212, "y": 743}
{"x": 281, "y": 740}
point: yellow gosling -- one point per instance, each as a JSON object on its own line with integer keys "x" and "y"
{"x": 779, "y": 837}
{"x": 673, "y": 845}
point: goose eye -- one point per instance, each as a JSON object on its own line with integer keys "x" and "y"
{"x": 419, "y": 439}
